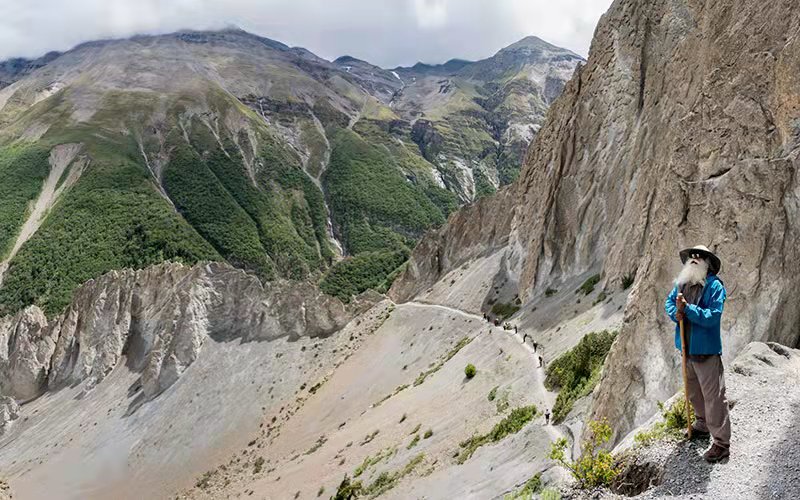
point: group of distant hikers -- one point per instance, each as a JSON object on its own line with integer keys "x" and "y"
{"x": 507, "y": 326}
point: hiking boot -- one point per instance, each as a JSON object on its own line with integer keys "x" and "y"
{"x": 716, "y": 453}
{"x": 696, "y": 434}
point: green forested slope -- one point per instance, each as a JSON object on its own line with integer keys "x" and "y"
{"x": 270, "y": 220}
{"x": 23, "y": 168}
{"x": 111, "y": 219}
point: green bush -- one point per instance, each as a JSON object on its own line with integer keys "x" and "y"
{"x": 483, "y": 187}
{"x": 492, "y": 393}
{"x": 550, "y": 292}
{"x": 370, "y": 461}
{"x": 671, "y": 427}
{"x": 354, "y": 275}
{"x": 413, "y": 442}
{"x": 388, "y": 480}
{"x": 470, "y": 370}
{"x": 577, "y": 371}
{"x": 595, "y": 467}
{"x": 348, "y": 490}
{"x": 588, "y": 286}
{"x": 600, "y": 298}
{"x": 428, "y": 434}
{"x": 531, "y": 487}
{"x": 504, "y": 311}
{"x": 511, "y": 424}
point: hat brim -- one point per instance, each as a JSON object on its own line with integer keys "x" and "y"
{"x": 714, "y": 264}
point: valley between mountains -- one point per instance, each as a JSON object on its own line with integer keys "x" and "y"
{"x": 230, "y": 268}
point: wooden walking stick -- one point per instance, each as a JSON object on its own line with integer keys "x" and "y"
{"x": 685, "y": 380}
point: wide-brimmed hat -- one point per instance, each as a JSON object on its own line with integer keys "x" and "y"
{"x": 714, "y": 264}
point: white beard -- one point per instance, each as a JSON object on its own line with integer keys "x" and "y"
{"x": 693, "y": 274}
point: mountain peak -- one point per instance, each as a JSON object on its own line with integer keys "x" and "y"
{"x": 347, "y": 59}
{"x": 532, "y": 43}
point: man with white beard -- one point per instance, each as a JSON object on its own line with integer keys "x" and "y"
{"x": 697, "y": 299}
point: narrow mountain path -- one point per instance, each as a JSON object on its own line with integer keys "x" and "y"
{"x": 420, "y": 303}
{"x": 547, "y": 398}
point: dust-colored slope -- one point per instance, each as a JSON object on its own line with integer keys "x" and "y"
{"x": 374, "y": 390}
{"x": 105, "y": 442}
{"x": 350, "y": 407}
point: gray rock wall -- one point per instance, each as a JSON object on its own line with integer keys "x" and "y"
{"x": 156, "y": 320}
{"x": 681, "y": 129}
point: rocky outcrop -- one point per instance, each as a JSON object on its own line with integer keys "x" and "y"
{"x": 765, "y": 445}
{"x": 26, "y": 346}
{"x": 478, "y": 229}
{"x": 681, "y": 129}
{"x": 157, "y": 320}
{"x": 9, "y": 411}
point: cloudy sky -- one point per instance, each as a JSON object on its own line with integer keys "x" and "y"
{"x": 385, "y": 32}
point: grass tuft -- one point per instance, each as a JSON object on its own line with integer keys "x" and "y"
{"x": 511, "y": 424}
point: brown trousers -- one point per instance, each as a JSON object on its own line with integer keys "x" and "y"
{"x": 706, "y": 377}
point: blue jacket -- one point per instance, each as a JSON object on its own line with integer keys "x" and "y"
{"x": 704, "y": 317}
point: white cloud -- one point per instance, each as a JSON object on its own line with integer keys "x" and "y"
{"x": 430, "y": 13}
{"x": 387, "y": 33}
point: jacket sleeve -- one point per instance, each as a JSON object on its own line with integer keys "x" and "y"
{"x": 669, "y": 305}
{"x": 711, "y": 315}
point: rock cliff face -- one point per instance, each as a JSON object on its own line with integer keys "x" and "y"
{"x": 681, "y": 129}
{"x": 157, "y": 320}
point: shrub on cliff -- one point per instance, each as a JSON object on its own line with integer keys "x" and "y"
{"x": 577, "y": 371}
{"x": 671, "y": 427}
{"x": 595, "y": 467}
{"x": 588, "y": 286}
{"x": 348, "y": 490}
{"x": 503, "y": 311}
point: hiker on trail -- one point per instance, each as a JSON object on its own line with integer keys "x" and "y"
{"x": 547, "y": 416}
{"x": 697, "y": 299}
{"x": 535, "y": 345}
{"x": 540, "y": 361}
{"x": 515, "y": 329}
